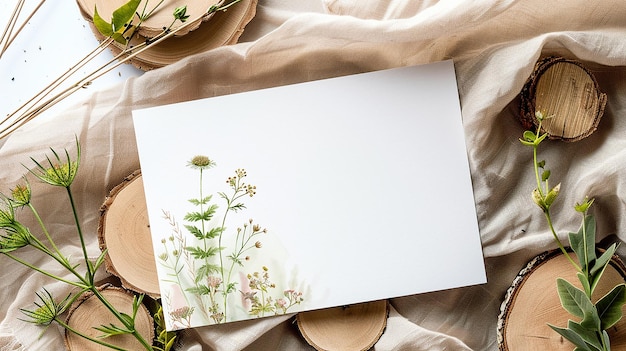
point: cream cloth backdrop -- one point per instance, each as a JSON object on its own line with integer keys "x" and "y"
{"x": 494, "y": 45}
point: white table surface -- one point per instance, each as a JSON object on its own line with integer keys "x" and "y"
{"x": 55, "y": 38}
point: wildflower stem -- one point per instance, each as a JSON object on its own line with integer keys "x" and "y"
{"x": 36, "y": 105}
{"x": 44, "y": 229}
{"x": 129, "y": 325}
{"x": 8, "y": 36}
{"x": 90, "y": 272}
{"x": 97, "y": 341}
{"x": 558, "y": 241}
{"x": 46, "y": 273}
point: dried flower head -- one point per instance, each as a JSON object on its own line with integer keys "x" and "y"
{"x": 47, "y": 310}
{"x": 201, "y": 162}
{"x": 15, "y": 235}
{"x": 21, "y": 195}
{"x": 181, "y": 313}
{"x": 214, "y": 282}
{"x": 58, "y": 172}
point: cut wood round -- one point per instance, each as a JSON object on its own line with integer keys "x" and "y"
{"x": 568, "y": 94}
{"x": 532, "y": 302}
{"x": 88, "y": 312}
{"x": 124, "y": 231}
{"x": 214, "y": 30}
{"x": 161, "y": 18}
{"x": 351, "y": 328}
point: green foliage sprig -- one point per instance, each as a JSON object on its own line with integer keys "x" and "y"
{"x": 589, "y": 332}
{"x": 60, "y": 170}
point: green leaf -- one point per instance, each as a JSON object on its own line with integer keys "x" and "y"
{"x": 584, "y": 281}
{"x": 206, "y": 215}
{"x": 195, "y": 231}
{"x": 603, "y": 260}
{"x": 584, "y": 242}
{"x": 572, "y": 337}
{"x": 124, "y": 14}
{"x": 112, "y": 330}
{"x": 201, "y": 254}
{"x": 205, "y": 271}
{"x": 204, "y": 201}
{"x": 105, "y": 28}
{"x": 589, "y": 336}
{"x": 214, "y": 232}
{"x": 576, "y": 302}
{"x": 237, "y": 207}
{"x": 610, "y": 306}
{"x": 100, "y": 260}
{"x": 600, "y": 265}
{"x": 529, "y": 136}
{"x": 545, "y": 175}
{"x": 199, "y": 290}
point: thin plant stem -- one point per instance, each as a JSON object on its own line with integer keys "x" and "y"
{"x": 9, "y": 40}
{"x": 44, "y": 229}
{"x": 121, "y": 318}
{"x": 122, "y": 58}
{"x": 81, "y": 237}
{"x": 46, "y": 273}
{"x": 84, "y": 336}
{"x": 6, "y": 34}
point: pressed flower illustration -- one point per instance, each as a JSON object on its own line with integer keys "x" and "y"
{"x": 205, "y": 259}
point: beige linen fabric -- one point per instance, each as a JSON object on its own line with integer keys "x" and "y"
{"x": 494, "y": 45}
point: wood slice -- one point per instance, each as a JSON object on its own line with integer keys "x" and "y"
{"x": 89, "y": 312}
{"x": 218, "y": 29}
{"x": 124, "y": 231}
{"x": 567, "y": 92}
{"x": 532, "y": 302}
{"x": 351, "y": 328}
{"x": 160, "y": 18}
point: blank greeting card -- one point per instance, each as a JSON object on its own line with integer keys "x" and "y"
{"x": 307, "y": 196}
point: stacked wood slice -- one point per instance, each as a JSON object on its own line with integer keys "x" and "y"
{"x": 532, "y": 302}
{"x": 350, "y": 328}
{"x": 124, "y": 232}
{"x": 89, "y": 312}
{"x": 203, "y": 33}
{"x": 566, "y": 92}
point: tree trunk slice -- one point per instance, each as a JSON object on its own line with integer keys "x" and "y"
{"x": 352, "y": 328}
{"x": 124, "y": 231}
{"x": 218, "y": 29}
{"x": 88, "y": 312}
{"x": 532, "y": 302}
{"x": 567, "y": 92}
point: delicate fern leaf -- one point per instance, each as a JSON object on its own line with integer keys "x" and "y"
{"x": 206, "y": 270}
{"x": 195, "y": 231}
{"x": 199, "y": 290}
{"x": 237, "y": 207}
{"x": 214, "y": 232}
{"x": 200, "y": 253}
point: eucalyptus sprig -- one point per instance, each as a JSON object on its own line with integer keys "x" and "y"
{"x": 61, "y": 171}
{"x": 594, "y": 318}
